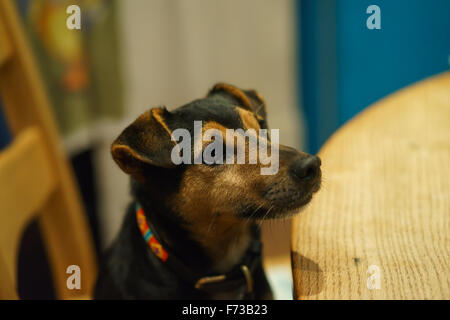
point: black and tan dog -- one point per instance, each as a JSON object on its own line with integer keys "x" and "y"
{"x": 192, "y": 232}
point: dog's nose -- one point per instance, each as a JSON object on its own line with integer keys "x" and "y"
{"x": 305, "y": 168}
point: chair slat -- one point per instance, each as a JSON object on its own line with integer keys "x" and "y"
{"x": 7, "y": 288}
{"x": 5, "y": 46}
{"x": 63, "y": 222}
{"x": 26, "y": 182}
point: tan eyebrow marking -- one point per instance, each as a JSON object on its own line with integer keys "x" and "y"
{"x": 248, "y": 119}
{"x": 213, "y": 125}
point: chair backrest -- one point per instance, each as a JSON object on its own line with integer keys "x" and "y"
{"x": 36, "y": 180}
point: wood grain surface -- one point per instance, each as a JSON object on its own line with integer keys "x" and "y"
{"x": 384, "y": 208}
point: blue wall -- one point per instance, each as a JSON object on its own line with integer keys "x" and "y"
{"x": 344, "y": 67}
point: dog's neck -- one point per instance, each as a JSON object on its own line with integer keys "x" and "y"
{"x": 224, "y": 241}
{"x": 208, "y": 246}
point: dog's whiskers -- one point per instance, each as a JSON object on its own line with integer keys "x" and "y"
{"x": 265, "y": 215}
{"x": 254, "y": 211}
{"x": 247, "y": 219}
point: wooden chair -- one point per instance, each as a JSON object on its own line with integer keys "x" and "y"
{"x": 36, "y": 180}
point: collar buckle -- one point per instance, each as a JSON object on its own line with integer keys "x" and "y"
{"x": 213, "y": 279}
{"x": 202, "y": 281}
{"x": 248, "y": 277}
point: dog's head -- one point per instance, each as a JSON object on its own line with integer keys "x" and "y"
{"x": 231, "y": 191}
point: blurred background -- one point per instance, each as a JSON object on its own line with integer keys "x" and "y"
{"x": 315, "y": 62}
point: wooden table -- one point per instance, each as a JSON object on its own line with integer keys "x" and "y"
{"x": 380, "y": 226}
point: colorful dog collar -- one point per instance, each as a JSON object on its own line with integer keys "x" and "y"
{"x": 148, "y": 235}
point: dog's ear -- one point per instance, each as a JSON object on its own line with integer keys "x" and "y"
{"x": 248, "y": 99}
{"x": 145, "y": 142}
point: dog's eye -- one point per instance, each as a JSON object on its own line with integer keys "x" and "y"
{"x": 214, "y": 157}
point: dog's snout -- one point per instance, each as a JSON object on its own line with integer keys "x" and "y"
{"x": 305, "y": 168}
